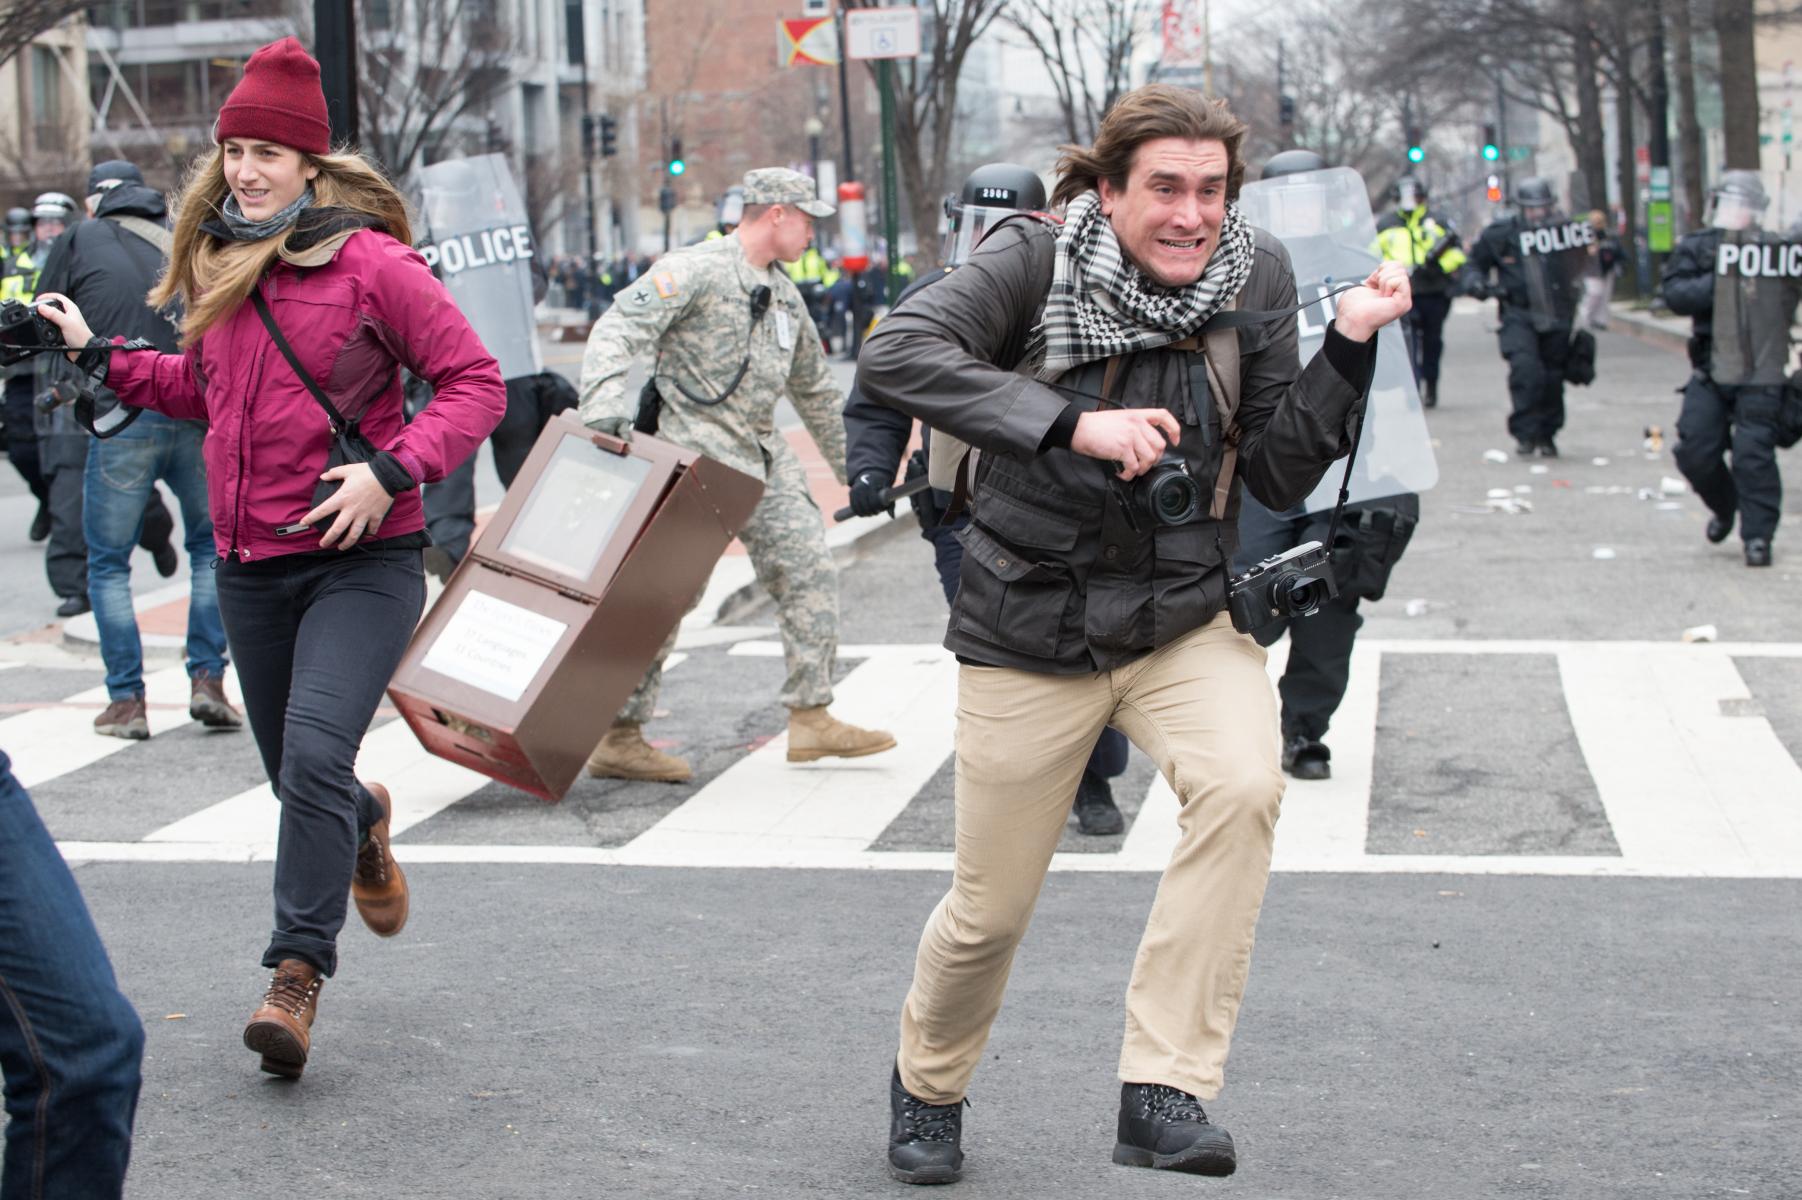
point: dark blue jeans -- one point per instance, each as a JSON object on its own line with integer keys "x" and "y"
{"x": 317, "y": 638}
{"x": 70, "y": 1043}
{"x": 121, "y": 478}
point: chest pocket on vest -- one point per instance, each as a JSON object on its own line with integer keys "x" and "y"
{"x": 1007, "y": 597}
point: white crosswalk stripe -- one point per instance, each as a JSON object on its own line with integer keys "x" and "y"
{"x": 1692, "y": 779}
{"x": 48, "y": 742}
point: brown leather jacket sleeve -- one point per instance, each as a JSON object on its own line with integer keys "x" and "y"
{"x": 946, "y": 355}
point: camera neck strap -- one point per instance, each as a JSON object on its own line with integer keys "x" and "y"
{"x": 339, "y": 424}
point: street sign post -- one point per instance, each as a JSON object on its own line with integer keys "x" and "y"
{"x": 882, "y": 33}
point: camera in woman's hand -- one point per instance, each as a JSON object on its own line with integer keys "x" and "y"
{"x": 25, "y": 332}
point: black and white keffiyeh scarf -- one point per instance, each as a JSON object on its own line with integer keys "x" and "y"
{"x": 1102, "y": 305}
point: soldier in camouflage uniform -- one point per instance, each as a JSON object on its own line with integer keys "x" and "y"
{"x": 731, "y": 337}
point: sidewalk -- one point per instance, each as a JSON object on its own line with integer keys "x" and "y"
{"x": 163, "y": 613}
{"x": 1662, "y": 329}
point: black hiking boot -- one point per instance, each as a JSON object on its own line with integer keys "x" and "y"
{"x": 924, "y": 1140}
{"x": 1164, "y": 1127}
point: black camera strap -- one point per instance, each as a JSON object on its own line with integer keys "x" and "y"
{"x": 339, "y": 424}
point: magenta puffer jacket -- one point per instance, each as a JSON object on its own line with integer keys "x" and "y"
{"x": 375, "y": 307}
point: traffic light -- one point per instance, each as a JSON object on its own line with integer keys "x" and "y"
{"x": 1494, "y": 192}
{"x": 1417, "y": 152}
{"x": 609, "y": 137}
{"x": 676, "y": 163}
{"x": 1285, "y": 111}
{"x": 588, "y": 134}
{"x": 1491, "y": 151}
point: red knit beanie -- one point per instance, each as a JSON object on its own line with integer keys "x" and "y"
{"x": 278, "y": 100}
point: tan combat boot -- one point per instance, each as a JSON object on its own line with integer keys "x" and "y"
{"x": 281, "y": 1029}
{"x": 624, "y": 754}
{"x": 814, "y": 733}
{"x": 378, "y": 887}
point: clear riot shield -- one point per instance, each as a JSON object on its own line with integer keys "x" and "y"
{"x": 1757, "y": 277}
{"x": 477, "y": 239}
{"x": 1554, "y": 258}
{"x": 1324, "y": 220}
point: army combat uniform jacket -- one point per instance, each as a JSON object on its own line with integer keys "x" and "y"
{"x": 1061, "y": 573}
{"x": 693, "y": 308}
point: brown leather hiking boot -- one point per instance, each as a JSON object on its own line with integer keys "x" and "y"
{"x": 814, "y": 733}
{"x": 378, "y": 886}
{"x": 624, "y": 754}
{"x": 125, "y": 718}
{"x": 281, "y": 1029}
{"x": 208, "y": 705}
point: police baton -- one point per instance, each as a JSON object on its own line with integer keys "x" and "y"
{"x": 918, "y": 483}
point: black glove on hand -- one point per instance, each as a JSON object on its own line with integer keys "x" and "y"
{"x": 866, "y": 496}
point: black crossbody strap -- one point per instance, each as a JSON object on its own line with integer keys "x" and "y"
{"x": 281, "y": 343}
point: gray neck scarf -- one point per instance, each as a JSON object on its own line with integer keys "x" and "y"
{"x": 1101, "y": 304}
{"x": 243, "y": 229}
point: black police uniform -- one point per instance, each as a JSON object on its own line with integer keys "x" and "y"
{"x": 1717, "y": 418}
{"x": 1534, "y": 339}
{"x": 876, "y": 437}
{"x": 1370, "y": 540}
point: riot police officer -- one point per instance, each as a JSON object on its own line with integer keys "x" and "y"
{"x": 1538, "y": 261}
{"x": 877, "y": 435}
{"x": 18, "y": 229}
{"x": 1311, "y": 215}
{"x": 1426, "y": 242}
{"x": 1741, "y": 300}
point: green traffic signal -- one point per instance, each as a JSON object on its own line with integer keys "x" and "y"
{"x": 1491, "y": 152}
{"x": 1416, "y": 154}
{"x": 677, "y": 166}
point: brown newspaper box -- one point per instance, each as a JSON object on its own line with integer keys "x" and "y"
{"x": 549, "y": 623}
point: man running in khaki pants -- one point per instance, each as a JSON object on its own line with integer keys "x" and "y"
{"x": 1081, "y": 605}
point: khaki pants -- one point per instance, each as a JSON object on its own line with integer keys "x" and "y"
{"x": 1203, "y": 708}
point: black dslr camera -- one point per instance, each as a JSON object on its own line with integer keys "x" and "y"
{"x": 1294, "y": 583}
{"x": 25, "y": 332}
{"x": 1167, "y": 493}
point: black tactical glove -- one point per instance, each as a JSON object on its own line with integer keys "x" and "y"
{"x": 866, "y": 495}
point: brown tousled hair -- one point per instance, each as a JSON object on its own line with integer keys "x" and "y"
{"x": 212, "y": 278}
{"x": 1157, "y": 110}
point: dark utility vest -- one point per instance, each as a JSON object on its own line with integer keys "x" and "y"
{"x": 1063, "y": 571}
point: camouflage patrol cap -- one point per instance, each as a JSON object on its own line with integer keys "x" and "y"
{"x": 779, "y": 185}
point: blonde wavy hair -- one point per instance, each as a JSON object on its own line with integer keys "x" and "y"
{"x": 211, "y": 277}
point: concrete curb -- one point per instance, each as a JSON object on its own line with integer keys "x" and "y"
{"x": 1663, "y": 332}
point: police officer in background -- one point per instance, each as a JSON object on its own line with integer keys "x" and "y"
{"x": 1538, "y": 283}
{"x": 1738, "y": 352}
{"x": 18, "y": 229}
{"x": 1372, "y": 533}
{"x": 1426, "y": 242}
{"x": 50, "y": 214}
{"x": 876, "y": 437}
{"x": 728, "y": 336}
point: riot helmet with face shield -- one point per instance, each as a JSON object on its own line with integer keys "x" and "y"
{"x": 992, "y": 193}
{"x": 1533, "y": 196}
{"x": 1738, "y": 200}
{"x": 1410, "y": 193}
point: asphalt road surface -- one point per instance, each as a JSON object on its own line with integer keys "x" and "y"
{"x": 1537, "y": 938}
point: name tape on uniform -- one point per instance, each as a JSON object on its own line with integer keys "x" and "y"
{"x": 489, "y": 248}
{"x": 1767, "y": 260}
{"x": 1552, "y": 239}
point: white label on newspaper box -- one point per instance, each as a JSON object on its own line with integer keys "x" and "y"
{"x": 493, "y": 645}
